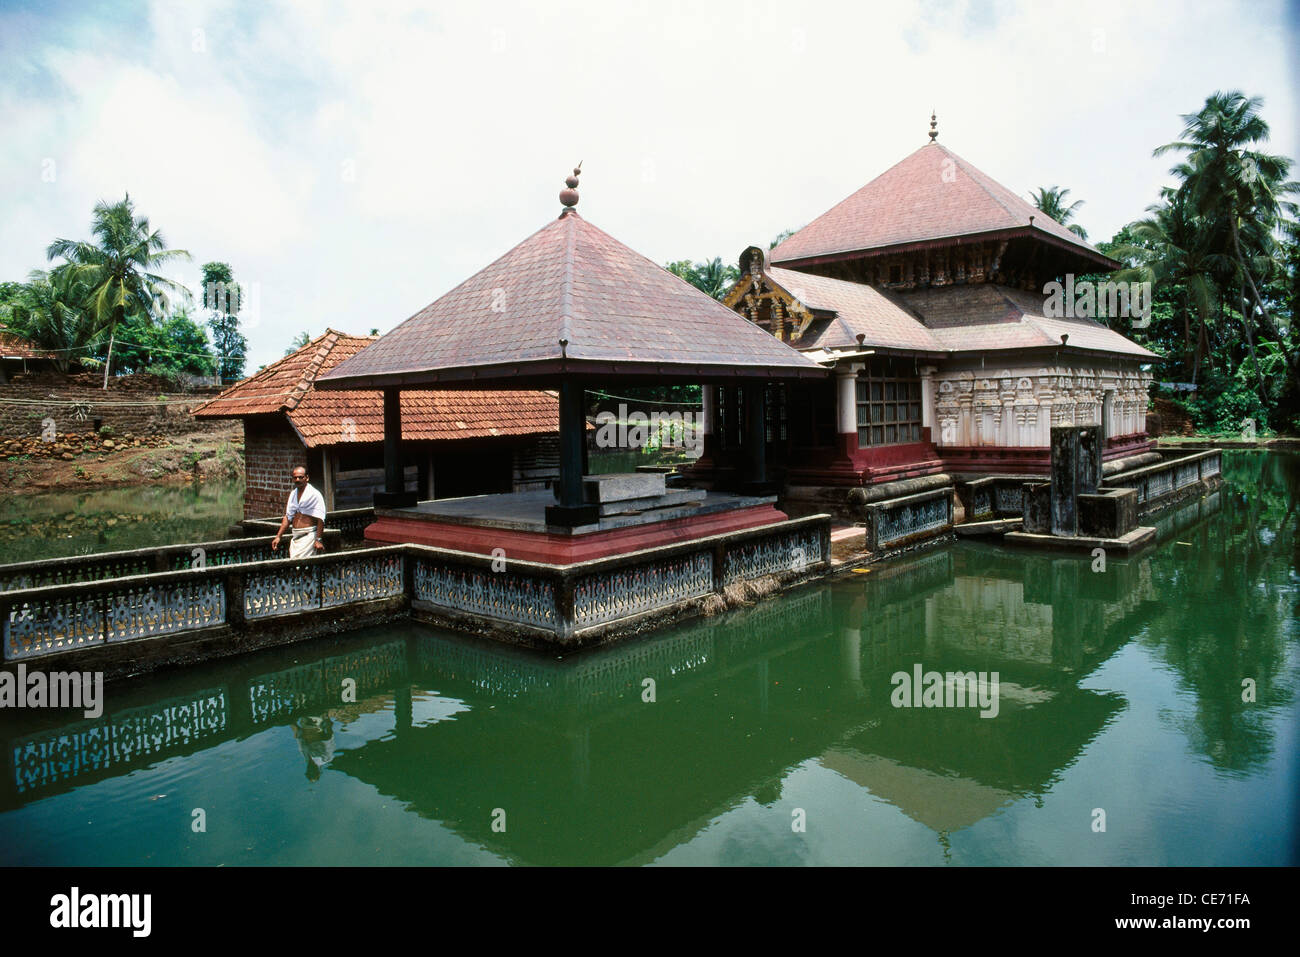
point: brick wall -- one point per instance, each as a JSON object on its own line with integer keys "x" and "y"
{"x": 272, "y": 450}
{"x": 75, "y": 401}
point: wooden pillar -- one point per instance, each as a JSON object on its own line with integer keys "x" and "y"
{"x": 571, "y": 511}
{"x": 393, "y": 441}
{"x": 755, "y": 436}
{"x": 394, "y": 494}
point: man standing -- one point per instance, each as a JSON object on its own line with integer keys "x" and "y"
{"x": 306, "y": 511}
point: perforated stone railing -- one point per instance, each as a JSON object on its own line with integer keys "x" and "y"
{"x": 1155, "y": 483}
{"x": 547, "y": 601}
{"x": 106, "y": 565}
{"x": 897, "y": 521}
{"x": 63, "y": 617}
{"x": 565, "y": 601}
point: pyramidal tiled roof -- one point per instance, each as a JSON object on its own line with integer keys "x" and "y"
{"x": 334, "y": 417}
{"x": 618, "y": 312}
{"x": 933, "y": 194}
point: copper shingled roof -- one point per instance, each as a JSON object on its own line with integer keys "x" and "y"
{"x": 334, "y": 417}
{"x": 620, "y": 314}
{"x": 985, "y": 317}
{"x": 931, "y": 195}
{"x": 883, "y": 320}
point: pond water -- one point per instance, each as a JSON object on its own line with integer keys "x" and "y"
{"x": 772, "y": 736}
{"x": 38, "y": 525}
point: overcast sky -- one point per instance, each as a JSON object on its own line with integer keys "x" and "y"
{"x": 355, "y": 161}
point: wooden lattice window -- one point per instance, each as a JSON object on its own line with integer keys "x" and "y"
{"x": 889, "y": 409}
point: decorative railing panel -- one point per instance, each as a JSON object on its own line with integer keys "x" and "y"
{"x": 1162, "y": 483}
{"x": 621, "y": 592}
{"x": 897, "y": 520}
{"x": 362, "y": 580}
{"x": 147, "y": 610}
{"x": 795, "y": 551}
{"x": 53, "y": 623}
{"x": 505, "y": 595}
{"x": 1009, "y": 499}
{"x": 281, "y": 590}
{"x": 1187, "y": 475}
{"x": 72, "y": 570}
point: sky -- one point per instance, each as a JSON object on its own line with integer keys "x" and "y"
{"x": 353, "y": 162}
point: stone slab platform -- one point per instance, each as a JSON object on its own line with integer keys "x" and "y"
{"x": 622, "y": 486}
{"x": 1139, "y": 538}
{"x": 516, "y": 524}
{"x": 996, "y": 526}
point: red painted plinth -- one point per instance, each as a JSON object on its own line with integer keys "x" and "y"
{"x": 565, "y": 549}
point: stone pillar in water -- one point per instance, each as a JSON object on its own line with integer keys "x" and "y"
{"x": 1091, "y": 440}
{"x": 1065, "y": 480}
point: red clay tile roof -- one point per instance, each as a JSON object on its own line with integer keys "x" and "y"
{"x": 932, "y": 194}
{"x": 16, "y": 346}
{"x": 334, "y": 417}
{"x": 571, "y": 281}
{"x": 985, "y": 317}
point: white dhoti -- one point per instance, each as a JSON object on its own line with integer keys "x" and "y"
{"x": 303, "y": 544}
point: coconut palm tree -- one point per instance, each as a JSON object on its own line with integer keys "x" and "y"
{"x": 1170, "y": 248}
{"x": 50, "y": 311}
{"x": 1051, "y": 202}
{"x": 1240, "y": 191}
{"x": 117, "y": 269}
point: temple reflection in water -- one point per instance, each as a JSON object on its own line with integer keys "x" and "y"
{"x": 466, "y": 725}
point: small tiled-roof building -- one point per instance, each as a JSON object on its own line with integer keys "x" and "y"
{"x": 19, "y": 354}
{"x": 454, "y": 443}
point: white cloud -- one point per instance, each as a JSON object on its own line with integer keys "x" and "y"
{"x": 702, "y": 127}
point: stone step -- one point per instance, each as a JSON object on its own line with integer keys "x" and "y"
{"x": 622, "y": 486}
{"x": 669, "y": 499}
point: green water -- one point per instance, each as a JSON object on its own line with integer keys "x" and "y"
{"x": 1120, "y": 692}
{"x": 41, "y": 525}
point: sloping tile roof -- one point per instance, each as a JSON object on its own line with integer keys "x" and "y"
{"x": 986, "y": 317}
{"x": 16, "y": 346}
{"x": 571, "y": 281}
{"x": 930, "y": 195}
{"x": 884, "y": 321}
{"x": 334, "y": 417}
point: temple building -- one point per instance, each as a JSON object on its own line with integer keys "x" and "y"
{"x": 923, "y": 293}
{"x": 453, "y": 443}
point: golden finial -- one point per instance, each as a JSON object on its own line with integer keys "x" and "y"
{"x": 934, "y": 127}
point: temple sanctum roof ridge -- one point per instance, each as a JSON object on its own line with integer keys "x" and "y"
{"x": 929, "y": 197}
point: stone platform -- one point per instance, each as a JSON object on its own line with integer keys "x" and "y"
{"x": 1131, "y": 541}
{"x": 516, "y": 523}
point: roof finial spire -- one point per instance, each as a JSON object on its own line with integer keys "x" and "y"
{"x": 569, "y": 195}
{"x": 934, "y": 127}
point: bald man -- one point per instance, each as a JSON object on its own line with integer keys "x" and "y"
{"x": 306, "y": 512}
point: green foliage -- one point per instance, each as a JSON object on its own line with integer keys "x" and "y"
{"x": 711, "y": 278}
{"x": 174, "y": 347}
{"x": 113, "y": 276}
{"x": 300, "y": 340}
{"x": 49, "y": 309}
{"x": 1051, "y": 201}
{"x": 1220, "y": 250}
{"x": 222, "y": 297}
